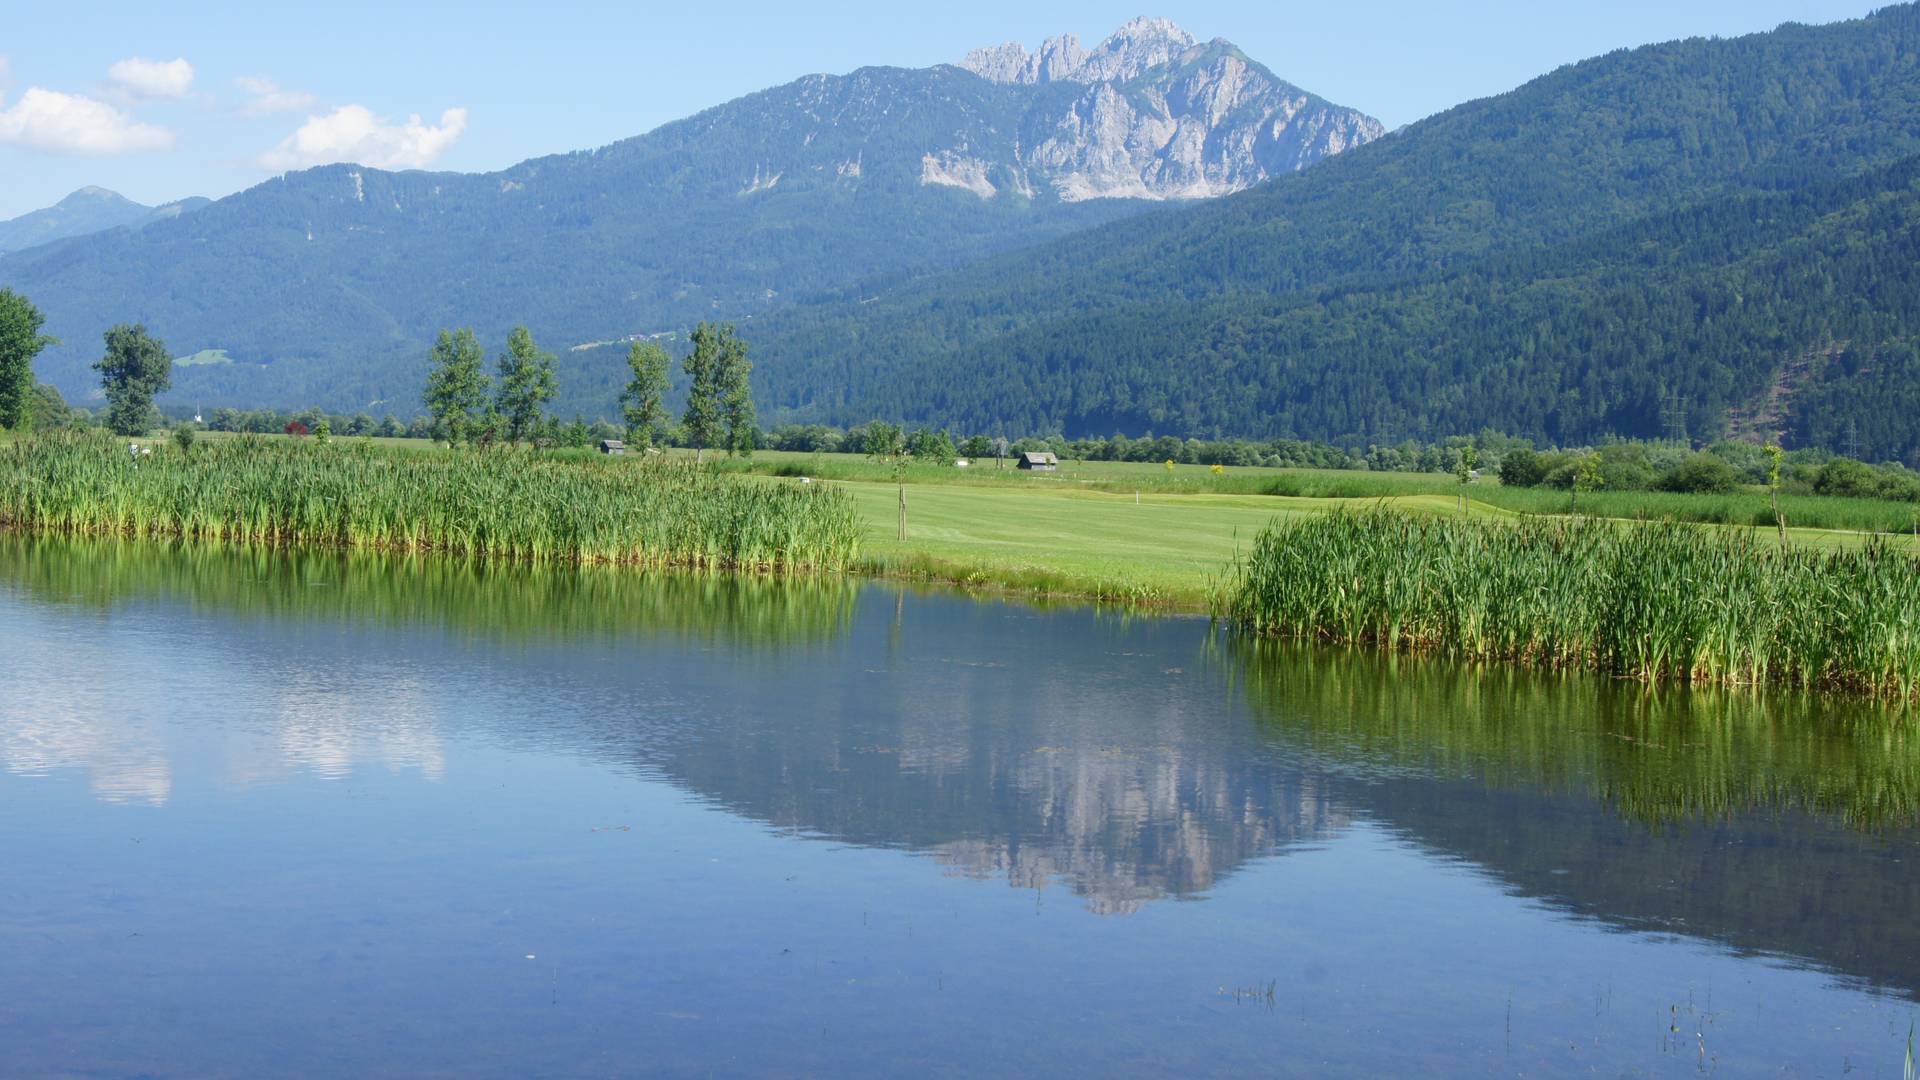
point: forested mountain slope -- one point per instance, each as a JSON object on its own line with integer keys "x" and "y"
{"x": 1657, "y": 328}
{"x": 1414, "y": 286}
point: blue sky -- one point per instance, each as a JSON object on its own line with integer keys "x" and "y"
{"x": 96, "y": 93}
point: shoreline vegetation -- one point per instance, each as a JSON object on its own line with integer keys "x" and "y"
{"x": 502, "y": 505}
{"x": 1656, "y": 602}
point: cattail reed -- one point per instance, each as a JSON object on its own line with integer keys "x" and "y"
{"x": 1655, "y": 602}
{"x": 498, "y": 504}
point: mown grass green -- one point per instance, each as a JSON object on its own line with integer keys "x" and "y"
{"x": 1160, "y": 549}
{"x": 1662, "y": 601}
{"x": 500, "y": 504}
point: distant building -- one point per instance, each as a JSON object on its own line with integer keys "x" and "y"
{"x": 1039, "y": 462}
{"x": 612, "y": 446}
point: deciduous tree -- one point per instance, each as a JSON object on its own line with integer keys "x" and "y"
{"x": 20, "y": 341}
{"x": 456, "y": 384}
{"x": 720, "y": 394}
{"x": 883, "y": 441}
{"x": 136, "y": 367}
{"x": 526, "y": 384}
{"x": 643, "y": 402}
{"x": 736, "y": 396}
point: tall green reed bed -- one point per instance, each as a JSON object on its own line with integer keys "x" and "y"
{"x": 1654, "y": 602}
{"x": 495, "y": 504}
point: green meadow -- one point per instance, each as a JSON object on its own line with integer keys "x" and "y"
{"x": 1145, "y": 533}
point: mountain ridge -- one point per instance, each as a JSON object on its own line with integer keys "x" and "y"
{"x": 1139, "y": 45}
{"x": 328, "y": 283}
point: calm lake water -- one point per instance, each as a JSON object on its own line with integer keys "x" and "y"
{"x": 268, "y": 815}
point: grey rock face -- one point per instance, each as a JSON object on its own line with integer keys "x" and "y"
{"x": 1162, "y": 117}
{"x": 1132, "y": 50}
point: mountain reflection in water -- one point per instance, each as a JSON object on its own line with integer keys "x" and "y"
{"x": 1128, "y": 760}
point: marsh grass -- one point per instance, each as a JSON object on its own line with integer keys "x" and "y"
{"x": 1655, "y": 602}
{"x": 496, "y": 505}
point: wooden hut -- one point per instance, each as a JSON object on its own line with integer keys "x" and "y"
{"x": 1040, "y": 461}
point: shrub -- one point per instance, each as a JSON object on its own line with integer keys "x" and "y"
{"x": 1701, "y": 474}
{"x": 1847, "y": 478}
{"x": 1525, "y": 468}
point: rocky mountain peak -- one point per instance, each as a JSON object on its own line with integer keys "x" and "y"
{"x": 1139, "y": 46}
{"x": 1055, "y": 60}
{"x": 1159, "y": 116}
{"x": 1133, "y": 49}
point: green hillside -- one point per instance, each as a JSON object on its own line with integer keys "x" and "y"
{"x": 1663, "y": 327}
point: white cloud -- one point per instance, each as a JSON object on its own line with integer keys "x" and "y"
{"x": 153, "y": 78}
{"x": 352, "y": 133}
{"x": 268, "y": 97}
{"x": 71, "y": 124}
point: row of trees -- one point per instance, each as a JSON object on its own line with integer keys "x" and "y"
{"x": 1274, "y": 453}
{"x": 1721, "y": 468}
{"x": 136, "y": 367}
{"x": 467, "y": 406}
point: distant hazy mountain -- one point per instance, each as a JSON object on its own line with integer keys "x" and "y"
{"x": 89, "y": 210}
{"x": 326, "y": 286}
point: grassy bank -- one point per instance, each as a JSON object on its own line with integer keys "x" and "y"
{"x": 1653, "y": 602}
{"x": 501, "y": 504}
